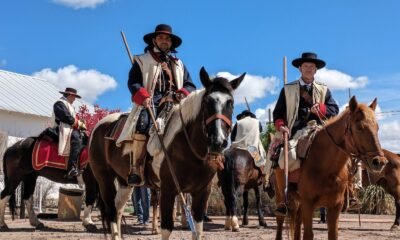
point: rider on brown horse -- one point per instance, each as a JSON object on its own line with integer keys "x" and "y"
{"x": 246, "y": 134}
{"x": 156, "y": 77}
{"x": 298, "y": 103}
{"x": 67, "y": 124}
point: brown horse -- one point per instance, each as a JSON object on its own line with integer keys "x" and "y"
{"x": 206, "y": 117}
{"x": 324, "y": 175}
{"x": 17, "y": 167}
{"x": 389, "y": 179}
{"x": 240, "y": 174}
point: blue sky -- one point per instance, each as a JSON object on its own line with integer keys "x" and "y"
{"x": 78, "y": 43}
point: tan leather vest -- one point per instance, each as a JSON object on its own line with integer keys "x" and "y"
{"x": 292, "y": 96}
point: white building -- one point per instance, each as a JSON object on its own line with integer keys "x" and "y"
{"x": 26, "y": 106}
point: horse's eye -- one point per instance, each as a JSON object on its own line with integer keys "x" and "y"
{"x": 229, "y": 103}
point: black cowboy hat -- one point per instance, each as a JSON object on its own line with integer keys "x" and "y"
{"x": 163, "y": 29}
{"x": 245, "y": 113}
{"x": 70, "y": 91}
{"x": 308, "y": 57}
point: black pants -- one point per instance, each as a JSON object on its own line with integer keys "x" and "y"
{"x": 75, "y": 148}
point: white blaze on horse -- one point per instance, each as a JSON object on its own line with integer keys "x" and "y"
{"x": 195, "y": 137}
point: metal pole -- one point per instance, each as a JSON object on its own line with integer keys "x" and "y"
{"x": 247, "y": 104}
{"x": 127, "y": 47}
{"x": 286, "y": 139}
{"x": 269, "y": 116}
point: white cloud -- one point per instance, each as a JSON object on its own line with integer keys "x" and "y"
{"x": 262, "y": 114}
{"x": 77, "y": 4}
{"x": 253, "y": 87}
{"x": 389, "y": 135}
{"x": 3, "y": 62}
{"x": 337, "y": 80}
{"x": 89, "y": 83}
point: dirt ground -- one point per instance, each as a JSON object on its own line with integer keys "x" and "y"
{"x": 372, "y": 227}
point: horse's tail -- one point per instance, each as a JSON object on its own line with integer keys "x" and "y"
{"x": 228, "y": 180}
{"x": 102, "y": 208}
{"x": 11, "y": 202}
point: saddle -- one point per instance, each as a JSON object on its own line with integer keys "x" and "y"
{"x": 45, "y": 154}
{"x": 114, "y": 133}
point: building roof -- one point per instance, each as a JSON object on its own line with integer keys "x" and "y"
{"x": 27, "y": 94}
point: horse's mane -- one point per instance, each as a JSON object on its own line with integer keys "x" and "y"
{"x": 107, "y": 119}
{"x": 368, "y": 114}
{"x": 337, "y": 118}
{"x": 190, "y": 107}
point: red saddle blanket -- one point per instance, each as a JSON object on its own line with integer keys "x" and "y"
{"x": 45, "y": 154}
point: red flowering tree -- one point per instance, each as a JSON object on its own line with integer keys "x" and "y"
{"x": 91, "y": 119}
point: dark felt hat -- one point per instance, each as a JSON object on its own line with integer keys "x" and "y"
{"x": 163, "y": 29}
{"x": 308, "y": 57}
{"x": 70, "y": 91}
{"x": 245, "y": 113}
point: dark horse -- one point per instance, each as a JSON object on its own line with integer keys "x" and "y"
{"x": 206, "y": 117}
{"x": 240, "y": 174}
{"x": 324, "y": 175}
{"x": 388, "y": 179}
{"x": 17, "y": 167}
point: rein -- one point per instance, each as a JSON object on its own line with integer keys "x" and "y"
{"x": 354, "y": 153}
{"x": 187, "y": 137}
{"x": 208, "y": 156}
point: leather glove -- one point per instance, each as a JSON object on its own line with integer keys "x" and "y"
{"x": 81, "y": 125}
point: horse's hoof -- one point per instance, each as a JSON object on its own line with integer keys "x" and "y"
{"x": 4, "y": 228}
{"x": 235, "y": 229}
{"x": 395, "y": 228}
{"x": 155, "y": 232}
{"x": 40, "y": 226}
{"x": 91, "y": 228}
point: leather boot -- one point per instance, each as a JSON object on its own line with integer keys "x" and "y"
{"x": 136, "y": 175}
{"x": 75, "y": 148}
{"x": 72, "y": 171}
{"x": 281, "y": 209}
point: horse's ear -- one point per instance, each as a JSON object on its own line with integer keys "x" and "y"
{"x": 204, "y": 78}
{"x": 236, "y": 82}
{"x": 373, "y": 104}
{"x": 353, "y": 104}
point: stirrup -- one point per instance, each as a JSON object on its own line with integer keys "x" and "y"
{"x": 73, "y": 172}
{"x": 281, "y": 211}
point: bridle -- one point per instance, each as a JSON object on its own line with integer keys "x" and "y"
{"x": 214, "y": 158}
{"x": 350, "y": 147}
{"x": 224, "y": 118}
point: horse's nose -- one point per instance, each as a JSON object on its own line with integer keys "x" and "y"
{"x": 379, "y": 162}
{"x": 217, "y": 144}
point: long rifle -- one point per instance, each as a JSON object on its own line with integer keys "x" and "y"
{"x": 167, "y": 158}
